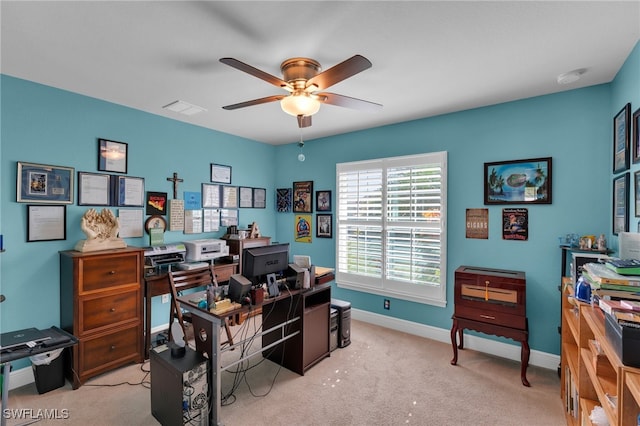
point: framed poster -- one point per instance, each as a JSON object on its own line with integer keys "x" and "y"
{"x": 324, "y": 225}
{"x": 283, "y": 200}
{"x": 46, "y": 223}
{"x": 515, "y": 224}
{"x": 94, "y": 189}
{"x": 518, "y": 182}
{"x": 323, "y": 201}
{"x": 635, "y": 124}
{"x": 303, "y": 196}
{"x": 621, "y": 126}
{"x": 302, "y": 228}
{"x": 112, "y": 156}
{"x": 636, "y": 179}
{"x": 42, "y": 183}
{"x": 620, "y": 204}
{"x": 220, "y": 173}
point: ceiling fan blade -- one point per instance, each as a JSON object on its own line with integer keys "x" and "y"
{"x": 254, "y": 102}
{"x": 278, "y": 82}
{"x": 304, "y": 121}
{"x": 347, "y": 102}
{"x": 339, "y": 72}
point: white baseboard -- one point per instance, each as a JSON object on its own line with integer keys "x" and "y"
{"x": 24, "y": 376}
{"x": 504, "y": 350}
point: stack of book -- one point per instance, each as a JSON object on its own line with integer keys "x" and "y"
{"x": 607, "y": 283}
{"x": 626, "y": 312}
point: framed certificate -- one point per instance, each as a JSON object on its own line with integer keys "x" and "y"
{"x": 220, "y": 173}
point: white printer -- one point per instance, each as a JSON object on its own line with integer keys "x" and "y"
{"x": 206, "y": 249}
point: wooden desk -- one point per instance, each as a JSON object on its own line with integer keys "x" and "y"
{"x": 287, "y": 327}
{"x": 157, "y": 285}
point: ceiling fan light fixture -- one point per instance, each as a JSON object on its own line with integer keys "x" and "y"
{"x": 300, "y": 104}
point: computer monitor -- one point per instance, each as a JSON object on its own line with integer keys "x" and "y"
{"x": 257, "y": 262}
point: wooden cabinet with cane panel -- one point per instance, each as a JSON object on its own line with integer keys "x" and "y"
{"x": 101, "y": 304}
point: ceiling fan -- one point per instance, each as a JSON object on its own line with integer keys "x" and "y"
{"x": 304, "y": 80}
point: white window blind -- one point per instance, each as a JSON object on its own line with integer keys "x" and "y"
{"x": 391, "y": 237}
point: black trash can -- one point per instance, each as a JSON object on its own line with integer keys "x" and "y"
{"x": 48, "y": 370}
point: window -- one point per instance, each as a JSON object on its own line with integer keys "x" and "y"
{"x": 391, "y": 227}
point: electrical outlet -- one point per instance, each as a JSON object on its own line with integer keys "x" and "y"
{"x": 387, "y": 304}
{"x": 165, "y": 298}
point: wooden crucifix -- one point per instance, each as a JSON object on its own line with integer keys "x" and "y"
{"x": 175, "y": 181}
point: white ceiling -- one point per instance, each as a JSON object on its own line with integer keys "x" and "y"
{"x": 429, "y": 57}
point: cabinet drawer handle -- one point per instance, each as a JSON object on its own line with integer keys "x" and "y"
{"x": 487, "y": 317}
{"x": 112, "y": 309}
{"x": 112, "y": 272}
{"x": 113, "y": 347}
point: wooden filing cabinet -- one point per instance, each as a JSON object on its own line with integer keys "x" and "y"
{"x": 491, "y": 301}
{"x": 101, "y": 304}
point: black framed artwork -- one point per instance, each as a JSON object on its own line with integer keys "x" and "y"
{"x": 112, "y": 156}
{"x": 220, "y": 173}
{"x": 323, "y": 201}
{"x": 635, "y": 124}
{"x": 324, "y": 225}
{"x": 621, "y": 126}
{"x": 636, "y": 191}
{"x": 283, "y": 200}
{"x": 303, "y": 196}
{"x": 46, "y": 222}
{"x": 156, "y": 203}
{"x": 620, "y": 204}
{"x": 518, "y": 181}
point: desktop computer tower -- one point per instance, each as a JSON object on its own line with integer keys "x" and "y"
{"x": 179, "y": 387}
{"x": 333, "y": 330}
{"x": 344, "y": 321}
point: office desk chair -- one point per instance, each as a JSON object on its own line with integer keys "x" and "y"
{"x": 187, "y": 280}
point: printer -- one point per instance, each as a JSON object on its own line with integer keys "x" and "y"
{"x": 206, "y": 249}
{"x": 156, "y": 257}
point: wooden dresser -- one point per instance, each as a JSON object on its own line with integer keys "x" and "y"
{"x": 101, "y": 304}
{"x": 491, "y": 301}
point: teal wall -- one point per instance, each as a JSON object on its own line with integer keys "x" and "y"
{"x": 45, "y": 125}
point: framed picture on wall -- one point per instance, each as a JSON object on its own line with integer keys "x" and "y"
{"x": 323, "y": 201}
{"x": 46, "y": 223}
{"x": 620, "y": 204}
{"x": 323, "y": 225}
{"x": 636, "y": 191}
{"x": 518, "y": 181}
{"x": 303, "y": 196}
{"x": 621, "y": 126}
{"x": 42, "y": 183}
{"x": 112, "y": 156}
{"x": 635, "y": 124}
{"x": 283, "y": 200}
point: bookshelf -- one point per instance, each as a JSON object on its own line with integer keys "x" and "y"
{"x": 589, "y": 378}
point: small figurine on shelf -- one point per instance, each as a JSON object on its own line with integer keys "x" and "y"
{"x": 254, "y": 231}
{"x": 602, "y": 243}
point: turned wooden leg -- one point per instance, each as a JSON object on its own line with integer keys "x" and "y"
{"x": 454, "y": 344}
{"x": 524, "y": 355}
